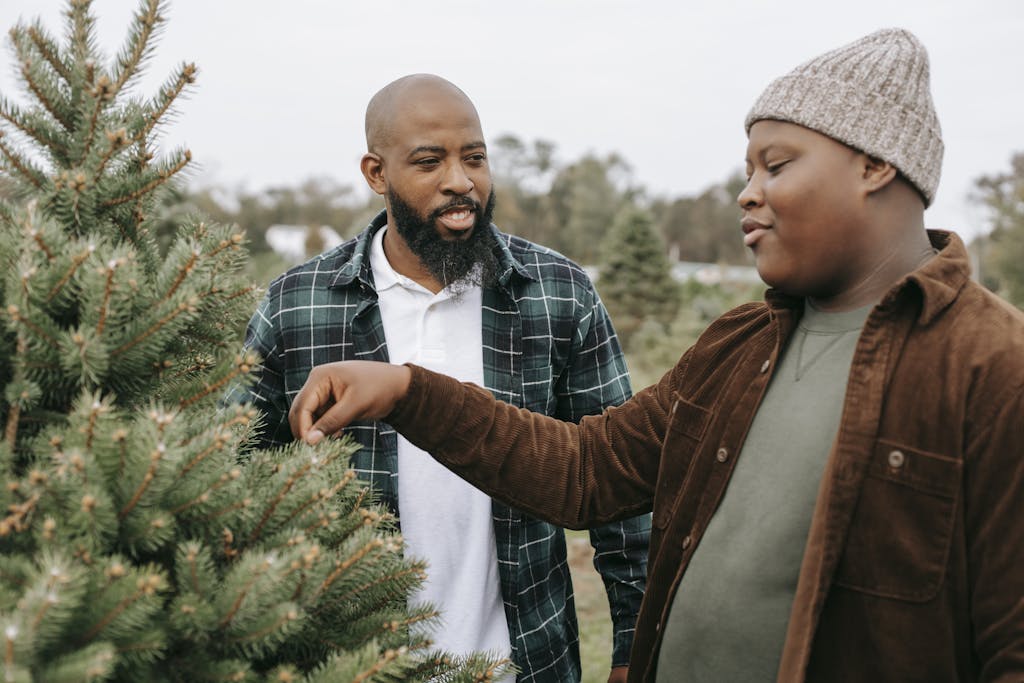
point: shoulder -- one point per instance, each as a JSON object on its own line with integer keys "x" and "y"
{"x": 1003, "y": 316}
{"x": 544, "y": 267}
{"x": 318, "y": 272}
{"x": 729, "y": 336}
{"x": 720, "y": 348}
{"x": 743, "y": 319}
{"x": 307, "y": 291}
{"x": 987, "y": 331}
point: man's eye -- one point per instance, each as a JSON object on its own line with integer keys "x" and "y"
{"x": 426, "y": 162}
{"x": 478, "y": 158}
{"x": 776, "y": 166}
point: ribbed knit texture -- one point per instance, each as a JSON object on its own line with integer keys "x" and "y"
{"x": 873, "y": 95}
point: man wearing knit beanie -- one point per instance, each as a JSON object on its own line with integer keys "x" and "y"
{"x": 836, "y": 475}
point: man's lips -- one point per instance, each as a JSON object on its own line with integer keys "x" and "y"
{"x": 458, "y": 218}
{"x": 753, "y": 230}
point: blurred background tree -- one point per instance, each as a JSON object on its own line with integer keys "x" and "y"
{"x": 1001, "y": 251}
{"x": 704, "y": 228}
{"x": 583, "y": 200}
{"x": 635, "y": 278}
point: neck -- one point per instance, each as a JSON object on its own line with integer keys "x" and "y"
{"x": 893, "y": 216}
{"x": 895, "y": 263}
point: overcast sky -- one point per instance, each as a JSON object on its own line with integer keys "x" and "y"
{"x": 665, "y": 83}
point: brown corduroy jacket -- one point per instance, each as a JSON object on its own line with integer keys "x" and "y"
{"x": 914, "y": 564}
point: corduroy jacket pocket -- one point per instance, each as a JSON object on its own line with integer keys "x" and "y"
{"x": 686, "y": 426}
{"x": 900, "y": 534}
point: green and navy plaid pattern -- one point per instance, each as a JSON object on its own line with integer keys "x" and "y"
{"x": 549, "y": 346}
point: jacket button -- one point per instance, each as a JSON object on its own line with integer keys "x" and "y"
{"x": 687, "y": 541}
{"x": 722, "y": 455}
{"x": 765, "y": 365}
{"x": 896, "y": 459}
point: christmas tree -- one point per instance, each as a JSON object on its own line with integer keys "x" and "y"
{"x": 636, "y": 281}
{"x": 141, "y": 538}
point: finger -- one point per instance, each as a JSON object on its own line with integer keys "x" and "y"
{"x": 335, "y": 418}
{"x": 314, "y": 397}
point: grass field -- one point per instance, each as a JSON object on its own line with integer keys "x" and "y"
{"x": 591, "y": 609}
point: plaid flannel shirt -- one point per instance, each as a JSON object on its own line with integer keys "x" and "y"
{"x": 549, "y": 346}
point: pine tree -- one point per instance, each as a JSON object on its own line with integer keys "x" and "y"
{"x": 636, "y": 281}
{"x": 140, "y": 538}
{"x": 1001, "y": 257}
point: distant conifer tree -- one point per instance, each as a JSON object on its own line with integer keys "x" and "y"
{"x": 635, "y": 280}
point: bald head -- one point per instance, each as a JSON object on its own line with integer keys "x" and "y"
{"x": 401, "y": 97}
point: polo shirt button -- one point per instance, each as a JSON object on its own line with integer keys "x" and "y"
{"x": 765, "y": 365}
{"x": 722, "y": 455}
{"x": 896, "y": 459}
{"x": 686, "y": 542}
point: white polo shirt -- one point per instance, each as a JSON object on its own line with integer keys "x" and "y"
{"x": 444, "y": 520}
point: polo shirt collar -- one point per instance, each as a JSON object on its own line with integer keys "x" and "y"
{"x": 384, "y": 275}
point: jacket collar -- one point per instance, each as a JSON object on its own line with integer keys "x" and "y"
{"x": 941, "y": 279}
{"x": 355, "y": 261}
{"x": 938, "y": 281}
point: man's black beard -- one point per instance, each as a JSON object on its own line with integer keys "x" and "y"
{"x": 452, "y": 262}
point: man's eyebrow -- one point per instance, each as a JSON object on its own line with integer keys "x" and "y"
{"x": 439, "y": 149}
{"x": 761, "y": 153}
{"x": 425, "y": 149}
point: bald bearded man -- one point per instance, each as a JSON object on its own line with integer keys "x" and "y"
{"x": 432, "y": 281}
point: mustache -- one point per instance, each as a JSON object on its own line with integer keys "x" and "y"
{"x": 456, "y": 203}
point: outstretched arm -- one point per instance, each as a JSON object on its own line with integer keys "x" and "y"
{"x": 609, "y": 464}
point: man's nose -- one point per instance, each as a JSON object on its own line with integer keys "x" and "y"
{"x": 456, "y": 180}
{"x": 751, "y": 195}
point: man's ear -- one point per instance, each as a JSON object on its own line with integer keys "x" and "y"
{"x": 372, "y": 167}
{"x": 877, "y": 173}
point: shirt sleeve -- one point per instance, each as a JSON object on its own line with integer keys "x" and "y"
{"x": 267, "y": 394}
{"x": 596, "y": 378}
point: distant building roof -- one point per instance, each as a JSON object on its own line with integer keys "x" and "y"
{"x": 704, "y": 273}
{"x": 714, "y": 273}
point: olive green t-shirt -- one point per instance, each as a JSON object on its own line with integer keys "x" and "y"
{"x": 729, "y": 616}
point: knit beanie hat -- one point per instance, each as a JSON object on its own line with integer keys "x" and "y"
{"x": 873, "y": 95}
